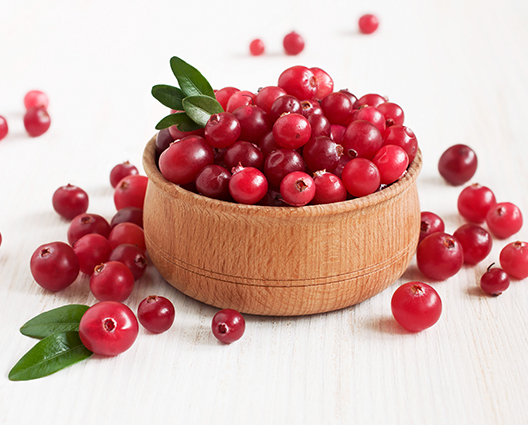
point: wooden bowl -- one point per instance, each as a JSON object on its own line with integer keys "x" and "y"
{"x": 280, "y": 260}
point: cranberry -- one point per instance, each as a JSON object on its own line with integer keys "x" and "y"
{"x": 222, "y": 130}
{"x": 416, "y": 306}
{"x": 280, "y": 163}
{"x": 223, "y": 95}
{"x": 272, "y": 198}
{"x": 127, "y": 233}
{"x": 120, "y": 171}
{"x": 299, "y": 81}
{"x": 474, "y": 202}
{"x": 372, "y": 115}
{"x": 213, "y": 182}
{"x": 254, "y": 122}
{"x": 343, "y": 161}
{"x": 91, "y": 250}
{"x": 70, "y": 201}
{"x": 156, "y": 313}
{"x": 458, "y": 164}
{"x": 108, "y": 328}
{"x": 163, "y": 140}
{"x": 247, "y": 185}
{"x": 337, "y": 132}
{"x": 297, "y": 189}
{"x": 311, "y": 107}
{"x": 328, "y": 188}
{"x": 352, "y": 98}
{"x": 319, "y": 124}
{"x": 293, "y": 43}
{"x": 476, "y": 242}
{"x": 361, "y": 139}
{"x": 36, "y": 98}
{"x": 85, "y": 224}
{"x": 495, "y": 281}
{"x": 283, "y": 104}
{"x": 256, "y": 47}
{"x": 3, "y": 127}
{"x": 177, "y": 134}
{"x": 368, "y": 24}
{"x": 514, "y": 259}
{"x": 240, "y": 98}
{"x": 111, "y": 281}
{"x": 130, "y": 191}
{"x": 439, "y": 256}
{"x": 393, "y": 113}
{"x": 371, "y": 99}
{"x": 268, "y": 144}
{"x": 392, "y": 161}
{"x": 54, "y": 266}
{"x": 337, "y": 107}
{"x": 245, "y": 154}
{"x": 430, "y": 223}
{"x": 37, "y": 121}
{"x": 228, "y": 325}
{"x": 292, "y": 131}
{"x": 361, "y": 177}
{"x": 128, "y": 215}
{"x": 504, "y": 220}
{"x": 322, "y": 153}
{"x": 403, "y": 137}
{"x": 324, "y": 83}
{"x": 132, "y": 257}
{"x": 267, "y": 96}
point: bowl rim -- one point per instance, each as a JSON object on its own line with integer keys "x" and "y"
{"x": 173, "y": 190}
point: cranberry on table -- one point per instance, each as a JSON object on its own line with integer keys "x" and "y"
{"x": 91, "y": 250}
{"x": 368, "y": 23}
{"x": 127, "y": 233}
{"x": 256, "y": 47}
{"x": 476, "y": 242}
{"x": 361, "y": 177}
{"x": 292, "y": 131}
{"x": 156, "y": 314}
{"x": 213, "y": 182}
{"x": 440, "y": 256}
{"x": 328, "y": 188}
{"x": 132, "y": 257}
{"x": 130, "y": 191}
{"x": 297, "y": 189}
{"x": 128, "y": 215}
{"x": 392, "y": 162}
{"x": 324, "y": 83}
{"x": 228, "y": 325}
{"x": 69, "y": 201}
{"x": 36, "y": 98}
{"x": 222, "y": 130}
{"x": 37, "y": 121}
{"x": 111, "y": 281}
{"x": 120, "y": 171}
{"x": 108, "y": 328}
{"x": 430, "y": 223}
{"x": 299, "y": 81}
{"x": 416, "y": 306}
{"x": 514, "y": 259}
{"x": 3, "y": 127}
{"x": 293, "y": 43}
{"x": 85, "y": 224}
{"x": 504, "y": 219}
{"x": 495, "y": 281}
{"x": 247, "y": 185}
{"x": 474, "y": 202}
{"x": 54, "y": 266}
{"x": 458, "y": 164}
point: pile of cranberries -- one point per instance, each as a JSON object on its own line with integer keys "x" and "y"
{"x": 296, "y": 143}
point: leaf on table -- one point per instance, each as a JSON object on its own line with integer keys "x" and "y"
{"x": 61, "y": 319}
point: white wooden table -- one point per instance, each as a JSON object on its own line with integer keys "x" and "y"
{"x": 460, "y": 71}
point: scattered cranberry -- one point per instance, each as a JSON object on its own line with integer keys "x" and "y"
{"x": 131, "y": 190}
{"x": 156, "y": 314}
{"x": 69, "y": 201}
{"x": 3, "y": 127}
{"x": 120, "y": 171}
{"x": 439, "y": 256}
{"x": 54, "y": 266}
{"x": 430, "y": 223}
{"x": 108, "y": 328}
{"x": 495, "y": 281}
{"x": 368, "y": 24}
{"x": 85, "y": 224}
{"x": 293, "y": 43}
{"x": 476, "y": 242}
{"x": 132, "y": 257}
{"x": 247, "y": 185}
{"x": 228, "y": 325}
{"x": 36, "y": 99}
{"x": 91, "y": 250}
{"x": 256, "y": 47}
{"x": 504, "y": 220}
{"x": 127, "y": 233}
{"x": 474, "y": 202}
{"x": 37, "y": 121}
{"x": 416, "y": 306}
{"x": 297, "y": 189}
{"x": 111, "y": 281}
{"x": 128, "y": 215}
{"x": 458, "y": 164}
{"x": 514, "y": 259}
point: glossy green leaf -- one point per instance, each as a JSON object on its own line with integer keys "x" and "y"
{"x": 179, "y": 119}
{"x": 50, "y": 355}
{"x": 169, "y": 96}
{"x": 200, "y": 108}
{"x": 191, "y": 81}
{"x": 62, "y": 319}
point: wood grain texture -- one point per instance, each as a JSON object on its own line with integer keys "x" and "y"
{"x": 280, "y": 261}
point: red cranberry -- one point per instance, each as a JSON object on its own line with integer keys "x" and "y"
{"x": 281, "y": 162}
{"x": 328, "y": 188}
{"x": 128, "y": 215}
{"x": 416, "y": 306}
{"x": 256, "y": 47}
{"x": 284, "y": 104}
{"x": 70, "y": 201}
{"x": 337, "y": 132}
{"x": 120, "y": 171}
{"x": 474, "y": 202}
{"x": 403, "y": 137}
{"x": 392, "y": 161}
{"x": 393, "y": 113}
{"x": 298, "y": 81}
{"x": 228, "y": 326}
{"x": 85, "y": 224}
{"x": 293, "y": 43}
{"x": 514, "y": 259}
{"x": 440, "y": 256}
{"x": 130, "y": 191}
{"x": 337, "y": 107}
{"x": 368, "y": 24}
{"x": 361, "y": 177}
{"x": 132, "y": 257}
{"x": 268, "y": 144}
{"x": 430, "y": 223}
{"x": 292, "y": 131}
{"x": 3, "y": 127}
{"x": 322, "y": 153}
{"x": 247, "y": 185}
{"x": 372, "y": 115}
{"x": 54, "y": 266}
{"x": 156, "y": 314}
{"x": 297, "y": 189}
{"x": 91, "y": 250}
{"x": 213, "y": 182}
{"x": 163, "y": 140}
{"x": 476, "y": 242}
{"x": 310, "y": 107}
{"x": 371, "y": 99}
{"x": 37, "y": 121}
{"x": 222, "y": 130}
{"x": 35, "y": 99}
{"x": 239, "y": 99}
{"x": 127, "y": 233}
{"x": 223, "y": 95}
{"x": 266, "y": 96}
{"x": 111, "y": 281}
{"x": 495, "y": 281}
{"x": 324, "y": 83}
{"x": 504, "y": 220}
{"x": 361, "y": 139}
{"x": 352, "y": 98}
{"x": 458, "y": 164}
{"x": 245, "y": 154}
{"x": 319, "y": 125}
{"x": 178, "y": 134}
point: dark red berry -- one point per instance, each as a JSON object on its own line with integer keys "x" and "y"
{"x": 495, "y": 281}
{"x": 458, "y": 164}
{"x": 239, "y": 99}
{"x": 254, "y": 123}
{"x": 474, "y": 202}
{"x": 416, "y": 306}
{"x": 54, "y": 266}
{"x": 371, "y": 99}
{"x": 514, "y": 259}
{"x": 299, "y": 81}
{"x": 91, "y": 250}
{"x": 292, "y": 131}
{"x": 37, "y": 121}
{"x": 247, "y": 185}
{"x": 393, "y": 113}
{"x": 222, "y": 130}
{"x": 324, "y": 83}
{"x": 361, "y": 139}
{"x": 504, "y": 219}
{"x": 156, "y": 314}
{"x": 130, "y": 192}
{"x": 266, "y": 96}
{"x": 111, "y": 281}
{"x": 475, "y": 241}
{"x": 280, "y": 163}
{"x": 439, "y": 256}
{"x": 127, "y": 233}
{"x": 85, "y": 224}
{"x": 403, "y": 137}
{"x": 128, "y": 215}
{"x": 430, "y": 223}
{"x": 213, "y": 181}
{"x": 70, "y": 201}
{"x": 120, "y": 171}
{"x": 132, "y": 257}
{"x": 228, "y": 325}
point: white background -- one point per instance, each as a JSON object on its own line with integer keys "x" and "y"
{"x": 460, "y": 71}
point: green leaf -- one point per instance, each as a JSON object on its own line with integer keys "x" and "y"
{"x": 169, "y": 96}
{"x": 62, "y": 319}
{"x": 179, "y": 119}
{"x": 200, "y": 108}
{"x": 50, "y": 355}
{"x": 191, "y": 81}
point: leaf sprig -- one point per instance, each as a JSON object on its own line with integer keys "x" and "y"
{"x": 194, "y": 100}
